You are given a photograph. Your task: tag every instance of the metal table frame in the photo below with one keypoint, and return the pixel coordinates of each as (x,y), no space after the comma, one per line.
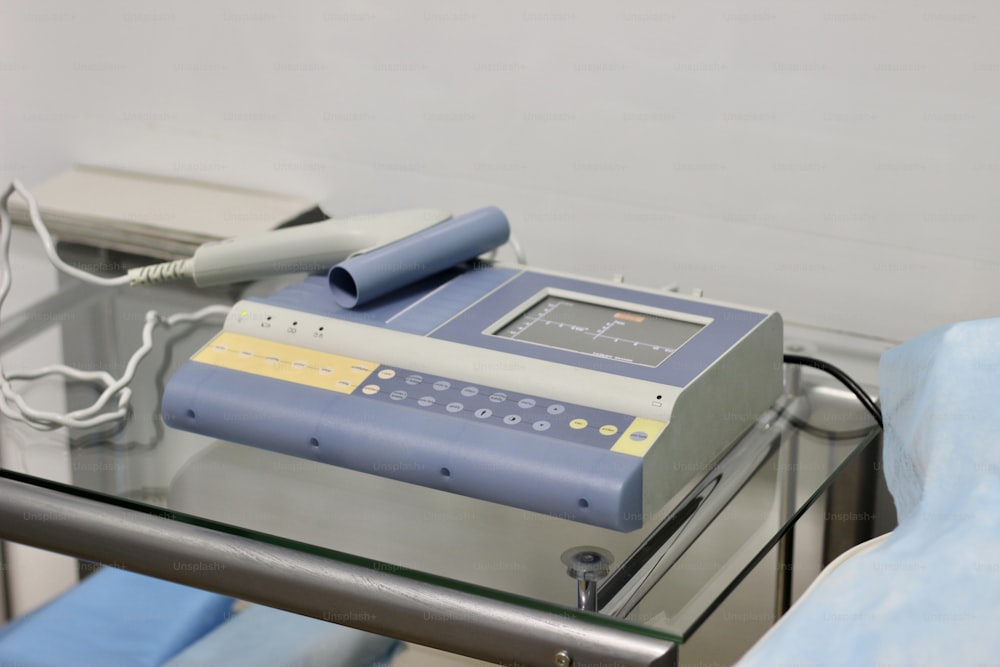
(405,605)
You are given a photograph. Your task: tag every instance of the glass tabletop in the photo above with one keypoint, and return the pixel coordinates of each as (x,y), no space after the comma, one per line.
(666,577)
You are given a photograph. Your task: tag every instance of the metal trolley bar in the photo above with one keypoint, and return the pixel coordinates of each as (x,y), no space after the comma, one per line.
(384,602)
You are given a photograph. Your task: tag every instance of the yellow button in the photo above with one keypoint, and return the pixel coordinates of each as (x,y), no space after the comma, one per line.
(387,373)
(609,429)
(370,389)
(578,423)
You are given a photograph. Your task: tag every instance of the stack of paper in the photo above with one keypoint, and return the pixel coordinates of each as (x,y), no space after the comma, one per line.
(149,215)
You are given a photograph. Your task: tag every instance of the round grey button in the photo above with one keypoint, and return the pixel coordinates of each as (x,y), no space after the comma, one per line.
(556,409)
(398,395)
(454,407)
(469,391)
(442,385)
(425,401)
(526,403)
(414,379)
(498,397)
(639,436)
(512,419)
(483,413)
(541,425)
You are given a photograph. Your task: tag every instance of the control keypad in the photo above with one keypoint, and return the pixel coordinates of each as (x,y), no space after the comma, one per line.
(500,407)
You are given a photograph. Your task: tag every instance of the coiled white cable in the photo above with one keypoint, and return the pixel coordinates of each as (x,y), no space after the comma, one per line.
(12,404)
(158,273)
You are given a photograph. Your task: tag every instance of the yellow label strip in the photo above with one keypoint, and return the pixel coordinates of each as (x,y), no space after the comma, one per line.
(282,361)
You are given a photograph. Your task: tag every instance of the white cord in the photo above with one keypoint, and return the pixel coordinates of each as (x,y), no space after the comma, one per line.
(518,249)
(515,246)
(47,241)
(12,404)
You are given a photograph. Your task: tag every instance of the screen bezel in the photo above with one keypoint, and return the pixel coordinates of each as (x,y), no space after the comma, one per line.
(727,325)
(591,299)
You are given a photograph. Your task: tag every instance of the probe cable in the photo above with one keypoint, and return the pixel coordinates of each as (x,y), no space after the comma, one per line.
(12,404)
(846,379)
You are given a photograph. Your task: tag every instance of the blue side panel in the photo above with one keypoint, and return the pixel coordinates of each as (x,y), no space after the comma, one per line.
(531,471)
(243,408)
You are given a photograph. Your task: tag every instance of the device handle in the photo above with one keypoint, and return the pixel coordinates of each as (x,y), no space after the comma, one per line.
(306,248)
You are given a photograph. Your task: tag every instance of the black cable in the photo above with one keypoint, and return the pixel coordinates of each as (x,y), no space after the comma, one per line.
(843,377)
(826,433)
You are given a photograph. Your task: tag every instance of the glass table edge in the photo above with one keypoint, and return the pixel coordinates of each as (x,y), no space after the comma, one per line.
(699,618)
(346,558)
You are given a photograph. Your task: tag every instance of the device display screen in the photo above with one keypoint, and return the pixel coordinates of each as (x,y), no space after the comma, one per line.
(600,331)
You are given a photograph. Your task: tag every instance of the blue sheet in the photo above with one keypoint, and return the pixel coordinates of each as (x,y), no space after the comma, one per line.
(113,619)
(930,593)
(263,637)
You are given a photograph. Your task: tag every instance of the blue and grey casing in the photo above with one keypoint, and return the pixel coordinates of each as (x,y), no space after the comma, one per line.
(592,401)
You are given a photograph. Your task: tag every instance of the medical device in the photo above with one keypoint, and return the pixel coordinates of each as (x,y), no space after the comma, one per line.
(587,400)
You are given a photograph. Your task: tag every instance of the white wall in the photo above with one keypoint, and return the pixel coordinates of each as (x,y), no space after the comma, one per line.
(836,161)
